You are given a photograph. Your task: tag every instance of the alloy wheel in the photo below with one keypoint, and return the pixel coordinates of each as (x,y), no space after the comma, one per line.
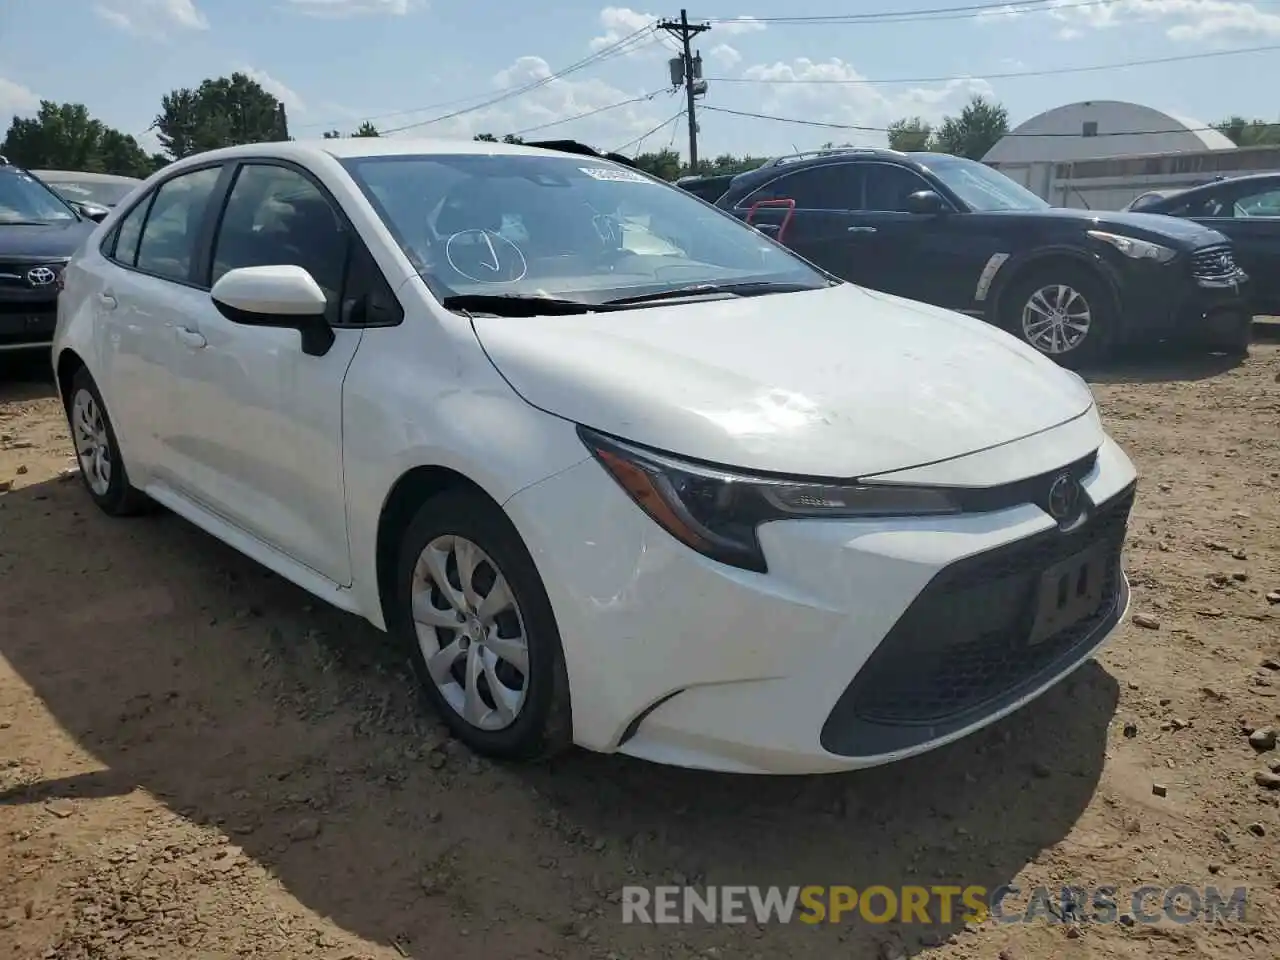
(471,632)
(1056,319)
(92,442)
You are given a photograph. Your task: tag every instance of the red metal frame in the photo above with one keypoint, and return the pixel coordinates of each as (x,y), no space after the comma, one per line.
(786,220)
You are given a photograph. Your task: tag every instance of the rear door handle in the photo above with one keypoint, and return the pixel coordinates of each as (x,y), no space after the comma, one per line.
(862,229)
(192,338)
(108,301)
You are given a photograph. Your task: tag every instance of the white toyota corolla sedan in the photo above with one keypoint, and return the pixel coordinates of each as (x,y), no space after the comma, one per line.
(618,470)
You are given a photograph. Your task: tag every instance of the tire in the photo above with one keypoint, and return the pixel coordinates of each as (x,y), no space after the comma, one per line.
(1084,288)
(538,720)
(102,468)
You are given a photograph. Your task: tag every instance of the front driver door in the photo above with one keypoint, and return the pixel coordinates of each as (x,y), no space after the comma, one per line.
(262,421)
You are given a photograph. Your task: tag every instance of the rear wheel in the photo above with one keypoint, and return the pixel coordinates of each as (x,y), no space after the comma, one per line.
(101,467)
(472,610)
(1064,311)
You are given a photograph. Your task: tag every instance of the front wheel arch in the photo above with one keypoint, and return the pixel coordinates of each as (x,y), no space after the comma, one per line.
(1045,260)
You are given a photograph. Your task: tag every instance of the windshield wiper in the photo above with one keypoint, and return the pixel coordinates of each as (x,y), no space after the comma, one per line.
(748,288)
(520,304)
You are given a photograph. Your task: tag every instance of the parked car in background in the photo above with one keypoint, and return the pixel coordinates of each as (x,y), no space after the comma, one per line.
(91,191)
(38,233)
(708,188)
(956,233)
(1247,210)
(599,486)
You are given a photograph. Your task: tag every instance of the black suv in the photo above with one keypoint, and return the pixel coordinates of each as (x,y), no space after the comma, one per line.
(39,231)
(1245,209)
(958,234)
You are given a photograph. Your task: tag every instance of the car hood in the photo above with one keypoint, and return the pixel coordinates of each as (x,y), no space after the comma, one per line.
(1142,226)
(838,382)
(53,241)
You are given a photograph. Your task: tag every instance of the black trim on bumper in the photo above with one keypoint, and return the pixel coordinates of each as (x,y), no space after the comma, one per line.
(960,651)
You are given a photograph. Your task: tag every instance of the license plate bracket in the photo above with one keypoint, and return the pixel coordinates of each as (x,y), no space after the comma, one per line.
(1069,591)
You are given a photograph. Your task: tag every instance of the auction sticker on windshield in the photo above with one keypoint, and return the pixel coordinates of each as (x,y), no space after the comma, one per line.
(605,173)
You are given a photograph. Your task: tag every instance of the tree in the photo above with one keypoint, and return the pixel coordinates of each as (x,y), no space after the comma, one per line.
(910,134)
(1249,133)
(366,129)
(976,130)
(63,136)
(490,138)
(221,112)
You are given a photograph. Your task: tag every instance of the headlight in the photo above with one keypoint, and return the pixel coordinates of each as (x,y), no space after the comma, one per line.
(718,512)
(1135,249)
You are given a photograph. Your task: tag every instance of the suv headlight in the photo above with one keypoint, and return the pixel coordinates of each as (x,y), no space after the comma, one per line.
(1135,249)
(717,512)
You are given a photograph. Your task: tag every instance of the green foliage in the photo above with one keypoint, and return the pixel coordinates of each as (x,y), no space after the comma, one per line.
(910,135)
(63,136)
(221,112)
(1249,133)
(976,130)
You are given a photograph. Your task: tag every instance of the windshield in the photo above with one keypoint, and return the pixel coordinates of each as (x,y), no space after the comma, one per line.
(981,187)
(572,228)
(106,192)
(24,199)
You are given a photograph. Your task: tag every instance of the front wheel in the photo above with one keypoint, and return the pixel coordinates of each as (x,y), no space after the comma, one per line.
(98,452)
(471,608)
(1064,311)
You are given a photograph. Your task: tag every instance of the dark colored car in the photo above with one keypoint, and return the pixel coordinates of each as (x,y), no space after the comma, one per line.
(39,231)
(708,188)
(1245,209)
(960,235)
(92,194)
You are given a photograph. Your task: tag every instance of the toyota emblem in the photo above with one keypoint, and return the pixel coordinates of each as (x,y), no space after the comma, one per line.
(1064,495)
(41,276)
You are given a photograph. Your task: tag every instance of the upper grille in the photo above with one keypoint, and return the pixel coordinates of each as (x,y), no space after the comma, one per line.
(1214,263)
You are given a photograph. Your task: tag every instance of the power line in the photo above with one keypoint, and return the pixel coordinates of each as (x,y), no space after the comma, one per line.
(865,129)
(1093,68)
(969,12)
(976,11)
(605,53)
(648,133)
(589,113)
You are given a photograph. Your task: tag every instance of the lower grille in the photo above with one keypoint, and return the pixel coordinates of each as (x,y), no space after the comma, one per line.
(1214,263)
(962,648)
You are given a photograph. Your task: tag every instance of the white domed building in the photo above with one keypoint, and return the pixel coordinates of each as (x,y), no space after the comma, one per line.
(1100,154)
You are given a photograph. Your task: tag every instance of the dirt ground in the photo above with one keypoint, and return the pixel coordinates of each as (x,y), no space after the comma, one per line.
(198,762)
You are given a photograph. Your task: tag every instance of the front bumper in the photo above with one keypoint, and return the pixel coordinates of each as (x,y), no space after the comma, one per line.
(677,659)
(1182,301)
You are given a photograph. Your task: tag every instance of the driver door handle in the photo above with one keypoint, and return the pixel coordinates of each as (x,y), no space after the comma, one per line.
(192,338)
(107,301)
(862,229)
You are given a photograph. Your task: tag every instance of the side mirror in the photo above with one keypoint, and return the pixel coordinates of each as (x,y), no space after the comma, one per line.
(283,296)
(925,202)
(92,211)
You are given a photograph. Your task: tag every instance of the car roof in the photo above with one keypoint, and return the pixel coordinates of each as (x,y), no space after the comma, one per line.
(1192,192)
(344,148)
(84,175)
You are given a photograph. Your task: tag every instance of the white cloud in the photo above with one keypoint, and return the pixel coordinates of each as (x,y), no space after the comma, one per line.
(839,99)
(152,18)
(286,95)
(341,9)
(1186,20)
(16,99)
(555,100)
(740,25)
(725,55)
(619,23)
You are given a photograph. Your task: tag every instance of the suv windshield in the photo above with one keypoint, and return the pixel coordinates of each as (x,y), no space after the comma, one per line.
(24,199)
(572,228)
(981,187)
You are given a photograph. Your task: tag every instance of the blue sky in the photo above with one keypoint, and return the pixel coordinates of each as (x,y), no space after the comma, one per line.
(335,62)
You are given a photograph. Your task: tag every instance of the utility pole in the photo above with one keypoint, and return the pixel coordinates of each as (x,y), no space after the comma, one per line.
(686,31)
